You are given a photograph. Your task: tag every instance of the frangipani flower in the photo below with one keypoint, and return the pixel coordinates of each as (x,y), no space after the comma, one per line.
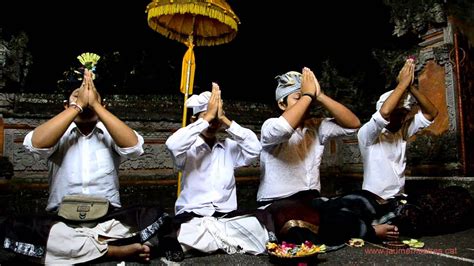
(412,57)
(356,242)
(414,243)
(89,61)
(290,250)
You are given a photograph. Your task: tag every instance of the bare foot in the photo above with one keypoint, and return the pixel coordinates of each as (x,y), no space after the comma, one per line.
(386,231)
(132,252)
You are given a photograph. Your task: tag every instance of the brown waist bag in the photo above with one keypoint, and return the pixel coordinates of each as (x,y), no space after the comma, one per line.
(83,207)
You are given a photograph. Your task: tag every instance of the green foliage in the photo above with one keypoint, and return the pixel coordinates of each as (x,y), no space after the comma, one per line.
(416,16)
(15,60)
(345,89)
(391,62)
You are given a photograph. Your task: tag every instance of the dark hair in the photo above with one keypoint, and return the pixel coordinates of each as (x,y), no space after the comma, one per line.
(66,87)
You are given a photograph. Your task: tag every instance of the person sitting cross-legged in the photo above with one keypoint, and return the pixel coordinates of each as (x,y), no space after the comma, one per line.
(84,146)
(207,216)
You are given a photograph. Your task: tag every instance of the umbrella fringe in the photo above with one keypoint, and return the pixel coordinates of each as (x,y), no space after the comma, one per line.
(196,9)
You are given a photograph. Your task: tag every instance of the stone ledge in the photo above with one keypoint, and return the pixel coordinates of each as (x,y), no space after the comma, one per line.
(41,183)
(331,185)
(21,196)
(417,184)
(442,178)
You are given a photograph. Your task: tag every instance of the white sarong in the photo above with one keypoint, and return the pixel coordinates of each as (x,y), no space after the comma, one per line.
(241,234)
(68,245)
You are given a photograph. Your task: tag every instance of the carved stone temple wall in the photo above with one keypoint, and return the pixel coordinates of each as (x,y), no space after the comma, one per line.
(437,151)
(154,117)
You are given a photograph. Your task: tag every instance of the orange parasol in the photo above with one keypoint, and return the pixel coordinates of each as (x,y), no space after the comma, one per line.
(192,22)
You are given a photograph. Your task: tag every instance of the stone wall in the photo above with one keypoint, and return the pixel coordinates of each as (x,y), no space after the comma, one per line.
(151,177)
(155,117)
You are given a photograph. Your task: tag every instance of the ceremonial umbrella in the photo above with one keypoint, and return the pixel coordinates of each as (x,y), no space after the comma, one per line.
(193,23)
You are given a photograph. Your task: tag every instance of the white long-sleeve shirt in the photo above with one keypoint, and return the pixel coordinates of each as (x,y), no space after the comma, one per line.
(208,182)
(384,153)
(80,164)
(290,158)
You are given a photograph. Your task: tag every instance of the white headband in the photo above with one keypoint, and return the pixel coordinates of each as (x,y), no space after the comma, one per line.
(287,84)
(407,101)
(199,102)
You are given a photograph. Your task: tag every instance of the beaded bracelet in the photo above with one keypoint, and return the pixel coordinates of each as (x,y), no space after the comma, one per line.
(76,106)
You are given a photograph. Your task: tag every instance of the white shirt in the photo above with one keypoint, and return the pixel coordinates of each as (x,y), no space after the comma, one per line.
(208,182)
(383,153)
(80,164)
(290,158)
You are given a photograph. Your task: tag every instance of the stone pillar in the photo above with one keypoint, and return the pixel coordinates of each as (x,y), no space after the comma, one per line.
(437,150)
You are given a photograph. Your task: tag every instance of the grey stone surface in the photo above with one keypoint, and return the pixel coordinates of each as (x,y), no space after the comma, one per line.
(448,249)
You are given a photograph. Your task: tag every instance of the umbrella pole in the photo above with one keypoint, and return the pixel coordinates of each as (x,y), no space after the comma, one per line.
(185,109)
(183,124)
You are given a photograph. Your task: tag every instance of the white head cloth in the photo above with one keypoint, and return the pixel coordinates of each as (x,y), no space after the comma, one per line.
(287,84)
(199,102)
(407,101)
